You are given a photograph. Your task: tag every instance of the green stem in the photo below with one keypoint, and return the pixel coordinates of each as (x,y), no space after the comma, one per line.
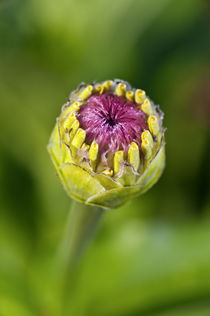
(81,226)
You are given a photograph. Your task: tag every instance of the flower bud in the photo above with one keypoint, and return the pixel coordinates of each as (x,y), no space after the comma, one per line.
(108,143)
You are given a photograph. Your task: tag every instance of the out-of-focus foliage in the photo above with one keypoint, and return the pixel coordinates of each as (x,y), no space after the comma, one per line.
(151,257)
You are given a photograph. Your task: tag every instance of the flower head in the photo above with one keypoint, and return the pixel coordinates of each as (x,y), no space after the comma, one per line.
(108,143)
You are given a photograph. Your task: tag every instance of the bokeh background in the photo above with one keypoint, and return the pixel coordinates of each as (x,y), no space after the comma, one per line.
(152,256)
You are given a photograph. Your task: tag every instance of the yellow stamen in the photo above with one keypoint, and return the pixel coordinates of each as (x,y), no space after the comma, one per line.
(140,96)
(147,107)
(67,115)
(93,152)
(79,138)
(146,135)
(118,158)
(153,125)
(86,92)
(146,149)
(69,121)
(133,155)
(99,89)
(74,129)
(74,107)
(129,95)
(107,85)
(147,144)
(120,89)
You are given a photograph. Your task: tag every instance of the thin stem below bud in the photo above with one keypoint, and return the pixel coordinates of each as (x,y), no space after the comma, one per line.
(81,226)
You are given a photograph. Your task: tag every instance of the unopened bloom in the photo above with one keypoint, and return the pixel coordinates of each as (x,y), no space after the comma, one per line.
(108,143)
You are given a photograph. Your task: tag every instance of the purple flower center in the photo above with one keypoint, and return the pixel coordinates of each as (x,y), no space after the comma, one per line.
(112,121)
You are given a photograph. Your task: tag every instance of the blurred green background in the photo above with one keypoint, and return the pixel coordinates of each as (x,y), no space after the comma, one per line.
(152,256)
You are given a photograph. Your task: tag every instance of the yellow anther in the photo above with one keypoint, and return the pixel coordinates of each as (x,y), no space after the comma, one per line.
(146,149)
(147,107)
(140,96)
(107,85)
(79,138)
(146,136)
(129,95)
(153,125)
(85,147)
(69,121)
(147,144)
(108,172)
(74,129)
(86,92)
(120,89)
(118,158)
(67,110)
(93,152)
(133,155)
(99,89)
(74,107)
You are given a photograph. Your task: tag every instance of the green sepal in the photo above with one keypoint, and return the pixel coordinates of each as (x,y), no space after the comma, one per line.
(54,146)
(78,183)
(107,182)
(127,175)
(153,171)
(113,198)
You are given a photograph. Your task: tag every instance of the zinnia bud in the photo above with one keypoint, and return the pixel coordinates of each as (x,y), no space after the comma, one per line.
(108,143)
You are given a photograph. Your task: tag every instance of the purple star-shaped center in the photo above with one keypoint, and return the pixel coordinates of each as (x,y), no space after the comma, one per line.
(112,121)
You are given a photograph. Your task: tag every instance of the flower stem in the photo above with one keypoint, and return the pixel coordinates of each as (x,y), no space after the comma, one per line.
(81,226)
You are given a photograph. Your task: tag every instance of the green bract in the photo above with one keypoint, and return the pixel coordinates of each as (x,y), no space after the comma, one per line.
(79,165)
